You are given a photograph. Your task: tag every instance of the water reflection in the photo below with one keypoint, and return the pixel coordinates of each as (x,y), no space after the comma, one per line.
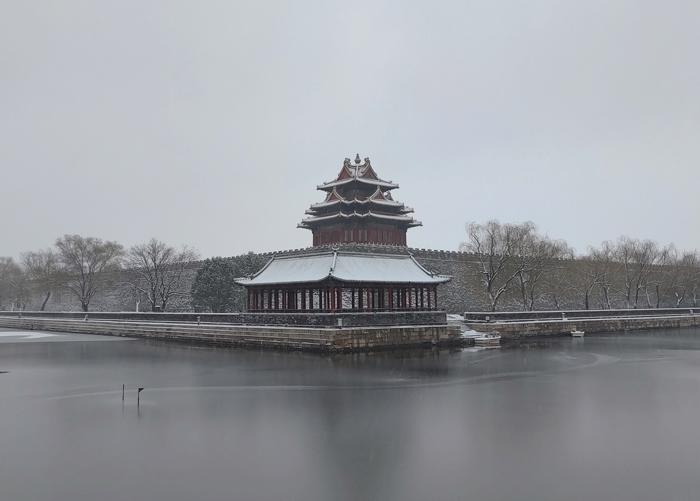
(610,417)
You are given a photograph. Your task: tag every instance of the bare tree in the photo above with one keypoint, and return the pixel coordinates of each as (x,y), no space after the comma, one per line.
(682,277)
(594,273)
(44,270)
(602,260)
(495,246)
(536,255)
(157,271)
(638,259)
(85,260)
(12,284)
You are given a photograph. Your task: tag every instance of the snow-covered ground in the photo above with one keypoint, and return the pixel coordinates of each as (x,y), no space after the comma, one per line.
(453,319)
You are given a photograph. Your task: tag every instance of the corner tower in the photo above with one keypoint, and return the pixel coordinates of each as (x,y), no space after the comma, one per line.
(358,208)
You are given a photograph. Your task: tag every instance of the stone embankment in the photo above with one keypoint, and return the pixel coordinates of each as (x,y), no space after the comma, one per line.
(514,325)
(326,339)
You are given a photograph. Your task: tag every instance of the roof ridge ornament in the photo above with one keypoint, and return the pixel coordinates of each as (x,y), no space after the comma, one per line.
(357,158)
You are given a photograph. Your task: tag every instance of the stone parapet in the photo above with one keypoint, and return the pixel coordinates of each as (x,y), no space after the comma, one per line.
(305,319)
(326,339)
(516,316)
(535,328)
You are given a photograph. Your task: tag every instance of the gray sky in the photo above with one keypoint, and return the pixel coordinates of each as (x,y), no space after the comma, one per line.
(211,123)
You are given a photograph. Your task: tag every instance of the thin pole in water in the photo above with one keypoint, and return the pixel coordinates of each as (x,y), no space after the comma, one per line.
(123,390)
(138,397)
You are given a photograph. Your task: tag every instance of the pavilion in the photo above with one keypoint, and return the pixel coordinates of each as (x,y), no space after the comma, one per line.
(358,210)
(335,281)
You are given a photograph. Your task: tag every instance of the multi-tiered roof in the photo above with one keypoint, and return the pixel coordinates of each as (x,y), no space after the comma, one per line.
(359,208)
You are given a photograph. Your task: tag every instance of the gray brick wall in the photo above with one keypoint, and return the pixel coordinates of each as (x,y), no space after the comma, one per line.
(462,293)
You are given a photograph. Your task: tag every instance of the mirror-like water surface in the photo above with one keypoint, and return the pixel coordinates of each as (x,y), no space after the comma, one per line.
(609,417)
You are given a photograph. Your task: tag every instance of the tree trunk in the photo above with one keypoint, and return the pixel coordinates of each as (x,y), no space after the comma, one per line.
(84,306)
(658,297)
(46,300)
(523,293)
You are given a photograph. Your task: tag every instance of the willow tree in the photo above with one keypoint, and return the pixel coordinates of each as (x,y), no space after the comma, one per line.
(495,247)
(44,270)
(85,260)
(12,284)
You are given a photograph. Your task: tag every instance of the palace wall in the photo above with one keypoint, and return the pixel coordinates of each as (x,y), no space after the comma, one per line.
(462,293)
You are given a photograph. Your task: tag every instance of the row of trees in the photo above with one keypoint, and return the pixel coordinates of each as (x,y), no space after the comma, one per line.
(81,265)
(515,267)
(520,268)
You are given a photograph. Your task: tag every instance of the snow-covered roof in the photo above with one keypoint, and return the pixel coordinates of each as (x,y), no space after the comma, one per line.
(375,182)
(345,267)
(358,172)
(378,198)
(370,214)
(389,203)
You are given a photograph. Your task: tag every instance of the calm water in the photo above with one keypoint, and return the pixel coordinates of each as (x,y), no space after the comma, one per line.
(609,418)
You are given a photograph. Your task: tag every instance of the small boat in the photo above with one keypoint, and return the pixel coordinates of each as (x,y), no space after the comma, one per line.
(577,333)
(488,340)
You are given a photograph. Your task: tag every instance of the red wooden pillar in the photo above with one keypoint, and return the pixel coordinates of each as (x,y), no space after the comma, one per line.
(435,293)
(390,297)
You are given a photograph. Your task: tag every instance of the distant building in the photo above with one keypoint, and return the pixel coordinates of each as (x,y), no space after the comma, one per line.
(358,208)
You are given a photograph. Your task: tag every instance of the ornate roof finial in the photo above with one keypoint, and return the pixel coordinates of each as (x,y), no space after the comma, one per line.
(357,158)
(346,162)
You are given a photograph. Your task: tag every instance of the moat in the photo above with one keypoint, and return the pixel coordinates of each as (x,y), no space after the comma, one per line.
(605,417)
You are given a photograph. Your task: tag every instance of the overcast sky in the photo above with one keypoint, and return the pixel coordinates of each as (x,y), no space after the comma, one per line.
(211,123)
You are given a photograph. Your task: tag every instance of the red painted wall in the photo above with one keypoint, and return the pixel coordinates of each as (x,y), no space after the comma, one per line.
(372,233)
